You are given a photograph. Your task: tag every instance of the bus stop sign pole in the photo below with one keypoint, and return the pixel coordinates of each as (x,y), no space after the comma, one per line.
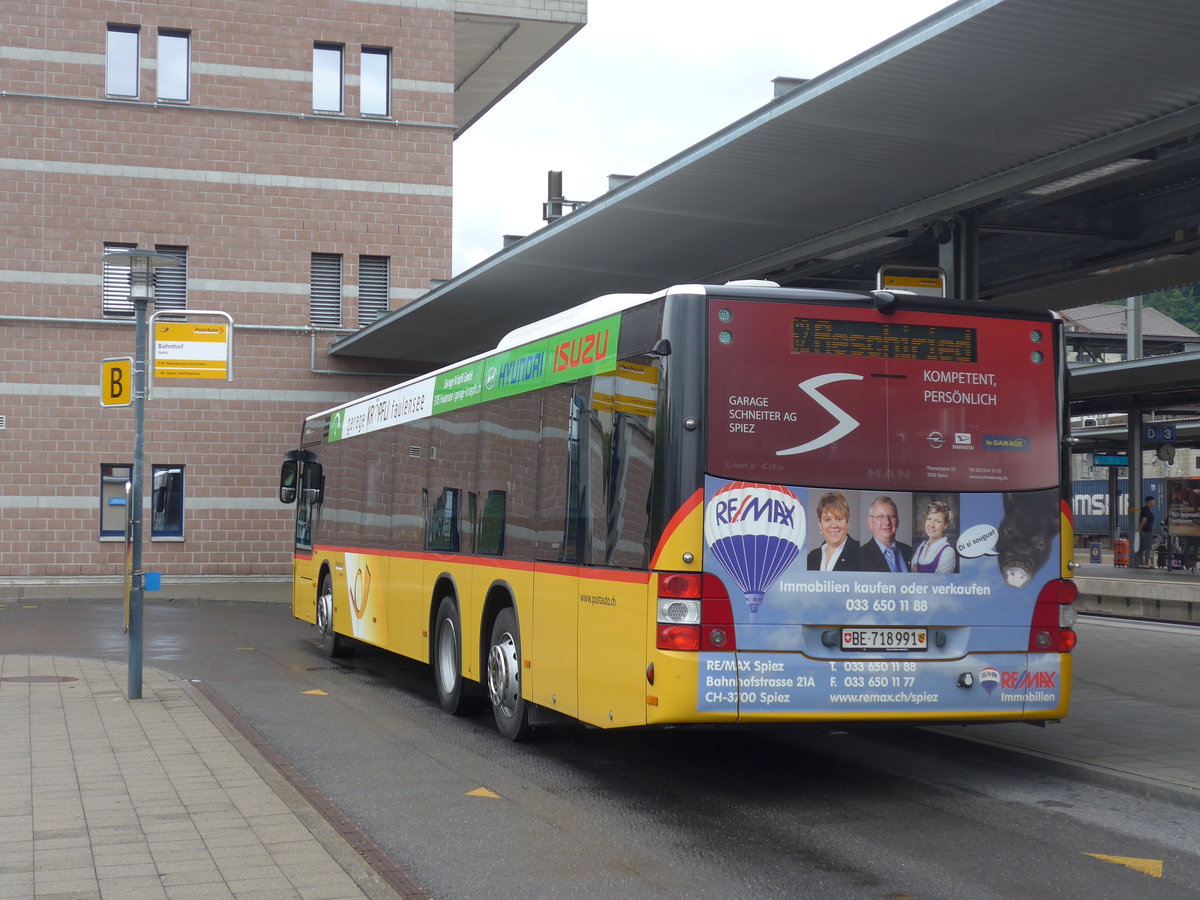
(136,594)
(141,265)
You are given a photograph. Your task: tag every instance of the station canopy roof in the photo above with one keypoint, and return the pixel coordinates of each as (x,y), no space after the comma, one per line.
(1069,130)
(497,43)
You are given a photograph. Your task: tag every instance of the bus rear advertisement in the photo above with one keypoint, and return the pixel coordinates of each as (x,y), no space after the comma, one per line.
(736,503)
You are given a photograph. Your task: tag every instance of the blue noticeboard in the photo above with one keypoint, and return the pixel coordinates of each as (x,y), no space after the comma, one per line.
(1110,459)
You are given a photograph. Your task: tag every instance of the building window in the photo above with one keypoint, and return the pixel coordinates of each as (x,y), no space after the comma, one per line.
(121,61)
(166,517)
(325,290)
(166,501)
(170,282)
(114,500)
(372,288)
(327,77)
(174,65)
(376,82)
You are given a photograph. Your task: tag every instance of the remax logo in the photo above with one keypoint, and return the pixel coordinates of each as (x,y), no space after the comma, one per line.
(845,424)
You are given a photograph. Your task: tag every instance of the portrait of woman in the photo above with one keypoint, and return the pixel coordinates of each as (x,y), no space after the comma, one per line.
(838,552)
(936,553)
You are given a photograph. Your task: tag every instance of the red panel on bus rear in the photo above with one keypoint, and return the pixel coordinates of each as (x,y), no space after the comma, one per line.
(850,397)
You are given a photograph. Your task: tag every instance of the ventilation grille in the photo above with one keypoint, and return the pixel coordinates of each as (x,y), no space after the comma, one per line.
(372,288)
(326,289)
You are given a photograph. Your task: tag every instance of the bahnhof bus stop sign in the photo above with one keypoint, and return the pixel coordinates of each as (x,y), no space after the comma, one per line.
(193,349)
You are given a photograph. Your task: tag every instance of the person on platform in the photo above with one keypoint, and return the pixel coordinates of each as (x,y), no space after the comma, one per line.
(883,553)
(1146,533)
(838,552)
(936,553)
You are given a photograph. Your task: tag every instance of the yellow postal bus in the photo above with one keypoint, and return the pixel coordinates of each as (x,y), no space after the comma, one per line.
(712,504)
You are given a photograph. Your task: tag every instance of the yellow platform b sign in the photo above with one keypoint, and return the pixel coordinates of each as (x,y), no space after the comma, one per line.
(116,381)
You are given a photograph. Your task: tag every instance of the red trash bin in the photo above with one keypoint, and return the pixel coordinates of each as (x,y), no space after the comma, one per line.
(1121,552)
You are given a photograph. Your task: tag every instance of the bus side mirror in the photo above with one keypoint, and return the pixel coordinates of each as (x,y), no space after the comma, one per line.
(287,481)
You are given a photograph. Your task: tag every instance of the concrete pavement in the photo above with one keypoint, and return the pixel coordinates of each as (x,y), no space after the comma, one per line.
(1134,723)
(171,796)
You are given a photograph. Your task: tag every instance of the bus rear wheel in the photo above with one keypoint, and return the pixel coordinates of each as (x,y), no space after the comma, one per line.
(504,677)
(447,658)
(332,643)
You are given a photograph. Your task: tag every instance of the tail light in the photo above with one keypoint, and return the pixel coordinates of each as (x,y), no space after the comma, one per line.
(694,613)
(1052,627)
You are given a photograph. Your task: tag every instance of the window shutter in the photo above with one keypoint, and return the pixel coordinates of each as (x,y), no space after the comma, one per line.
(372,288)
(326,290)
(170,282)
(115,300)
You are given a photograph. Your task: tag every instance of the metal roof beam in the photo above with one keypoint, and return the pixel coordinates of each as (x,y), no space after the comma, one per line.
(1106,149)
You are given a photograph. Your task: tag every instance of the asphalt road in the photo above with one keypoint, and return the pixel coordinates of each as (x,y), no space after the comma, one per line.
(683,812)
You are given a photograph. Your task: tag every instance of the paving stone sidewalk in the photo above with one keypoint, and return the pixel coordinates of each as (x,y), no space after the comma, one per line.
(103,797)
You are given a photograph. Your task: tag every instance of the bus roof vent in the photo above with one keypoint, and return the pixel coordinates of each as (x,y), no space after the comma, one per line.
(752,282)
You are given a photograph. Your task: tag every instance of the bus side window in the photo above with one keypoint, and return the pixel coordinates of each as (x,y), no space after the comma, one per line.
(490,540)
(442,532)
(312,486)
(584,484)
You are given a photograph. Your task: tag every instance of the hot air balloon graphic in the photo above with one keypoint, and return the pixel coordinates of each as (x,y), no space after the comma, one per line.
(756,531)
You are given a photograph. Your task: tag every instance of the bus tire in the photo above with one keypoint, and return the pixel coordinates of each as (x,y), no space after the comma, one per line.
(504,677)
(447,657)
(332,643)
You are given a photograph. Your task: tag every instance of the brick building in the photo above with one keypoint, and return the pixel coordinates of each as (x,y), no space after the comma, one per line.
(296,160)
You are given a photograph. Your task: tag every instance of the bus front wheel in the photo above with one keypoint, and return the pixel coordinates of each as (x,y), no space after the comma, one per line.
(447,658)
(333,643)
(504,677)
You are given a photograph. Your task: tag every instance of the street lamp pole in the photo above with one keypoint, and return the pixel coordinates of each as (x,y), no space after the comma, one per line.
(141,264)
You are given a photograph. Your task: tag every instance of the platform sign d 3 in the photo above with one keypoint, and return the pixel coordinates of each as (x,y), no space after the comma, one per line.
(191,350)
(116,381)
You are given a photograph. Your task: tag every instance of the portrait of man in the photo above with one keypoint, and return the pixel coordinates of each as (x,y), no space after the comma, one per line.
(882,552)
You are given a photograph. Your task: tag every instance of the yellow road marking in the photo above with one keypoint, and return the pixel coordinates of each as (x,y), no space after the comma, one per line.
(315,693)
(483,792)
(1151,867)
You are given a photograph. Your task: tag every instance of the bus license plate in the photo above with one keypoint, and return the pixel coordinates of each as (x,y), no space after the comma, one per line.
(884,639)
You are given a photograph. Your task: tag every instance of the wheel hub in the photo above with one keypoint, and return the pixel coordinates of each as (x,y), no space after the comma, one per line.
(504,684)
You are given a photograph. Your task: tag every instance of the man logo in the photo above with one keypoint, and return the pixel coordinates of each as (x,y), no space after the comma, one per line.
(846,423)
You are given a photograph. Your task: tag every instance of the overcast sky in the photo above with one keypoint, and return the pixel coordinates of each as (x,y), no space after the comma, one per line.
(643,80)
